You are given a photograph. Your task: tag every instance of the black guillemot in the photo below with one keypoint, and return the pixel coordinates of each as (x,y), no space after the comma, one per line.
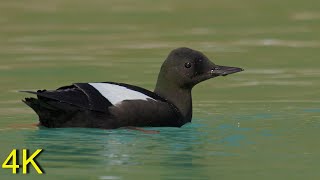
(111,105)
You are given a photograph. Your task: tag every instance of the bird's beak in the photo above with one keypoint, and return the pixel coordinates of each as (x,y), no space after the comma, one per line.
(215,71)
(224,70)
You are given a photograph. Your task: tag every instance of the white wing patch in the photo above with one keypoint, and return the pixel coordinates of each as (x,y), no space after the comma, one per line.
(116,94)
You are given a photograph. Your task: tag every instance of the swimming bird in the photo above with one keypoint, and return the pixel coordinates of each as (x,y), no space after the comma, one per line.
(110,105)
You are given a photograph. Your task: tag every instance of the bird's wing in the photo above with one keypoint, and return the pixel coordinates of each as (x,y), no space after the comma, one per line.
(97,96)
(87,98)
(116,93)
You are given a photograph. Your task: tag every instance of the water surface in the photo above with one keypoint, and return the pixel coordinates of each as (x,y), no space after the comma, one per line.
(262,123)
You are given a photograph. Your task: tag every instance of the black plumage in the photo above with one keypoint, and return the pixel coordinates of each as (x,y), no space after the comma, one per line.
(85,105)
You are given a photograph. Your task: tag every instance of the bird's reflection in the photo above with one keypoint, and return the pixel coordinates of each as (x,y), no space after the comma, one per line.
(173,151)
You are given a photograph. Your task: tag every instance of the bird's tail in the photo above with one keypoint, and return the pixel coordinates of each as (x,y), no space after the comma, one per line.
(53,113)
(44,110)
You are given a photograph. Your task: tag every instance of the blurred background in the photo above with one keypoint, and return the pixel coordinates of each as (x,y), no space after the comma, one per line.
(262,123)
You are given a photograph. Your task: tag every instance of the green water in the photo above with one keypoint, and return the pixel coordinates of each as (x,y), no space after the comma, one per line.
(262,123)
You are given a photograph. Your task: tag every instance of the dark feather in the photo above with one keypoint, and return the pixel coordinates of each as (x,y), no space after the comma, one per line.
(81,95)
(81,105)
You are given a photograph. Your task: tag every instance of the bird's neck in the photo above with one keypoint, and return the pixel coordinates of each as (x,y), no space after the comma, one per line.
(180,97)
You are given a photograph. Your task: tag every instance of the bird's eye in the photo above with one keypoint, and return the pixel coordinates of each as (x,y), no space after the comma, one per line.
(187,65)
